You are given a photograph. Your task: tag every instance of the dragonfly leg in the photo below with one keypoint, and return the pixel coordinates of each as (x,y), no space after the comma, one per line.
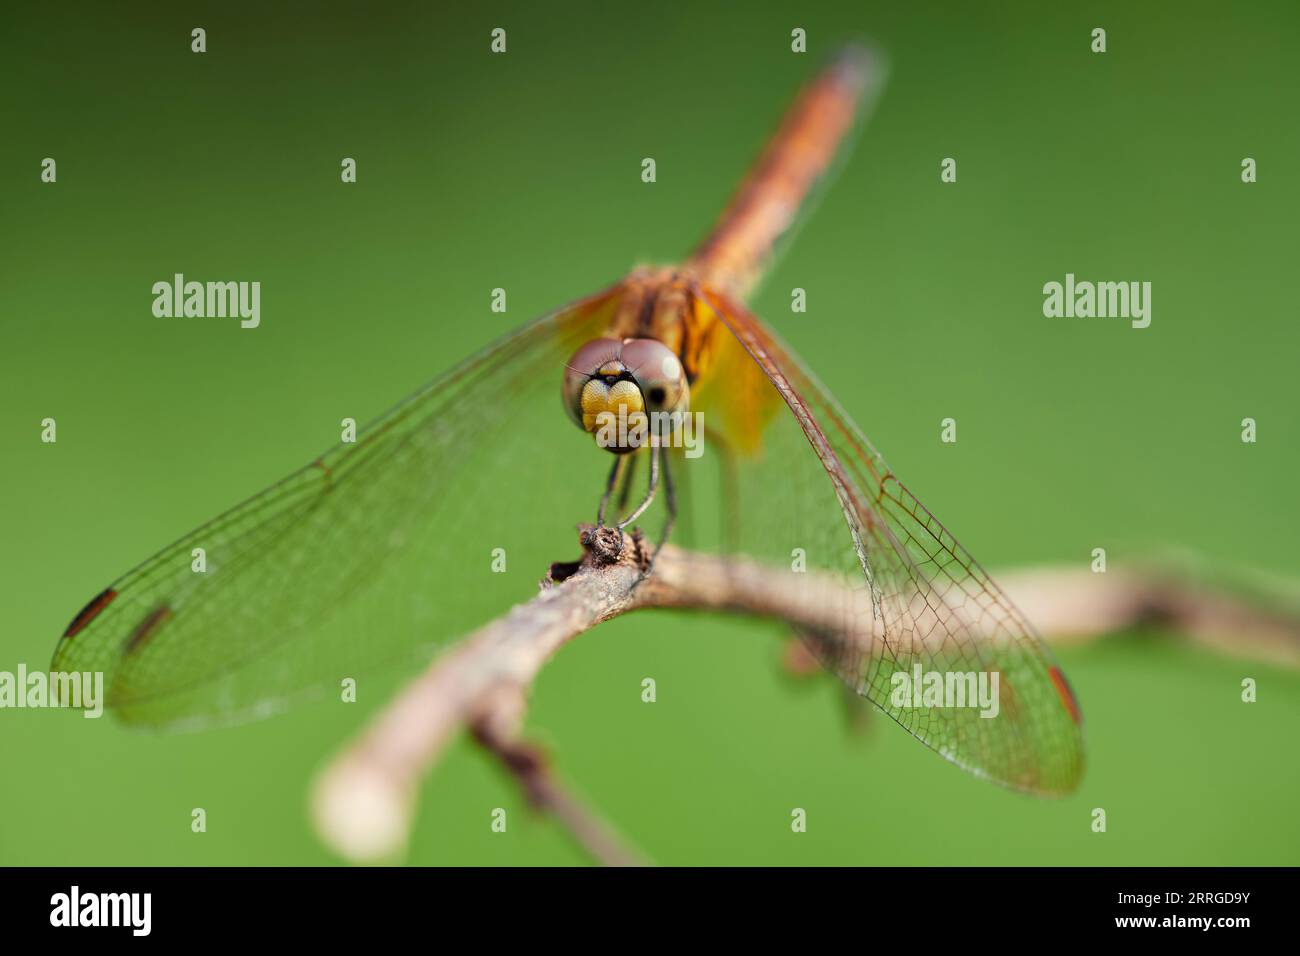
(628,478)
(650,492)
(609,488)
(670,500)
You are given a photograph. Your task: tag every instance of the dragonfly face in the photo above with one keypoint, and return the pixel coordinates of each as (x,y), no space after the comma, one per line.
(624,391)
(360,556)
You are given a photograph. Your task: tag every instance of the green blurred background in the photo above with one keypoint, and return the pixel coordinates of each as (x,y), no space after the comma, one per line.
(522,171)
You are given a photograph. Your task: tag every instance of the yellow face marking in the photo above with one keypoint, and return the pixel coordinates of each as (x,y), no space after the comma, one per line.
(599,402)
(625,397)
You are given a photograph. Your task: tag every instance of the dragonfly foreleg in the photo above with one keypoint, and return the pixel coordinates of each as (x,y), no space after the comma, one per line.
(670,501)
(614,472)
(629,476)
(650,492)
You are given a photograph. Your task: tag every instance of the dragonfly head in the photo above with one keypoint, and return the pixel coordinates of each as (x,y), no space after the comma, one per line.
(626,391)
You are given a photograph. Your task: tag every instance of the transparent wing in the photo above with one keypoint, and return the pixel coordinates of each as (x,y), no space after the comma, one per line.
(917,598)
(375,551)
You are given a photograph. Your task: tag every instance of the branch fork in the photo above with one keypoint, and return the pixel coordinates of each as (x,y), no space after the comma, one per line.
(364,801)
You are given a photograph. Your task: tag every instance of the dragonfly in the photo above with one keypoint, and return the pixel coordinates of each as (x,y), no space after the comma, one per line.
(377,550)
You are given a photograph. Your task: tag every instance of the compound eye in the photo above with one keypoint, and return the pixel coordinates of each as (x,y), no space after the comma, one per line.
(585,363)
(659,373)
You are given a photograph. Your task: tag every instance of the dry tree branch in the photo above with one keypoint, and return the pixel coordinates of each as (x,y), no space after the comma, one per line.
(1074,606)
(364,801)
(528,765)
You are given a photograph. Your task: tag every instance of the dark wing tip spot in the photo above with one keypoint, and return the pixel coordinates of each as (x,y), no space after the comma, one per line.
(89,612)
